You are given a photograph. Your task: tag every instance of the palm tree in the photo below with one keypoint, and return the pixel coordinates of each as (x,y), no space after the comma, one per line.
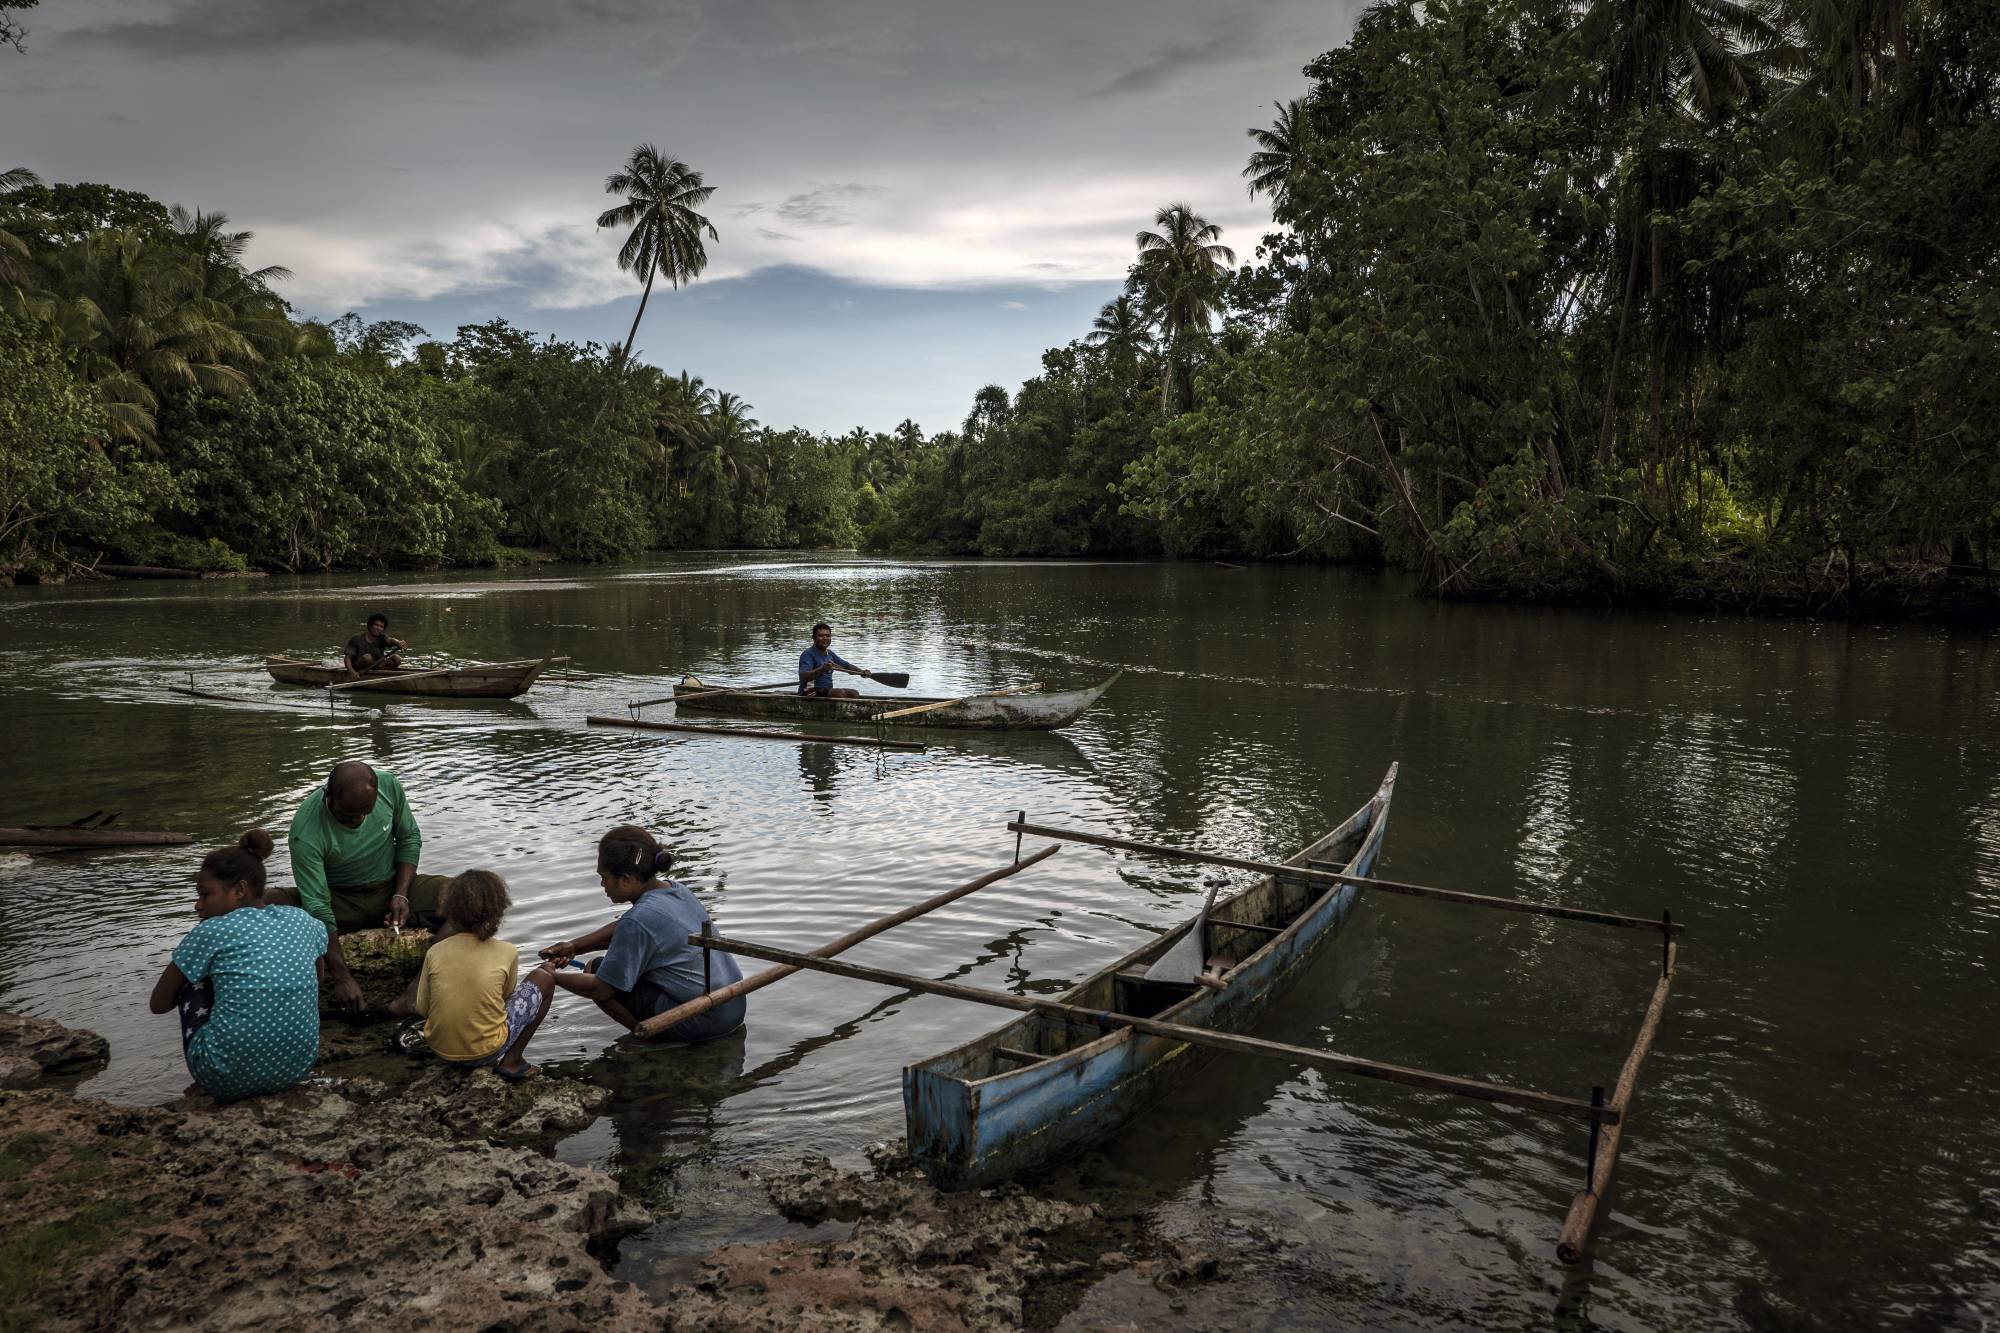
(1682,60)
(14,253)
(1692,56)
(1280,152)
(134,308)
(1179,281)
(1122,330)
(661,196)
(217,253)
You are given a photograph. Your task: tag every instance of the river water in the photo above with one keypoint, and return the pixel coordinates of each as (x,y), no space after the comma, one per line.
(1813,1144)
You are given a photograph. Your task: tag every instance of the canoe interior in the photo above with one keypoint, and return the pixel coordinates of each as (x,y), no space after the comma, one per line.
(1039,1087)
(982,712)
(496,680)
(1268,903)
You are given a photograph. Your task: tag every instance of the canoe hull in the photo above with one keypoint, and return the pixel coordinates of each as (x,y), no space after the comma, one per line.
(504,680)
(973,1119)
(1009,712)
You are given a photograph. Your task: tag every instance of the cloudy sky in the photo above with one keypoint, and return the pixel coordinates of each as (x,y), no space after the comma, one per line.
(915,197)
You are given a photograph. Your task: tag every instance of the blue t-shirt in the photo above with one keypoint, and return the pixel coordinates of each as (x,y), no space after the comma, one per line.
(263,1032)
(651,944)
(812,659)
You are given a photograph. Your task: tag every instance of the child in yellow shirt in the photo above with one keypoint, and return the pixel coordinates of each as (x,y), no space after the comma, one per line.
(474,1012)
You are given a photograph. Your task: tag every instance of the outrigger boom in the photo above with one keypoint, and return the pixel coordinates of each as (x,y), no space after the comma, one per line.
(1606,1118)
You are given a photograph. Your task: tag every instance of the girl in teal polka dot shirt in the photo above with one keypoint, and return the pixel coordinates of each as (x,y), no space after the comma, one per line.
(245,979)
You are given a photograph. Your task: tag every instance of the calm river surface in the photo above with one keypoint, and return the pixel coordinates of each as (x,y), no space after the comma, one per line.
(1814,1142)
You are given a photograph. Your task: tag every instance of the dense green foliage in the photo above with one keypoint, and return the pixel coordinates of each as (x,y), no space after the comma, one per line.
(1563,300)
(159,404)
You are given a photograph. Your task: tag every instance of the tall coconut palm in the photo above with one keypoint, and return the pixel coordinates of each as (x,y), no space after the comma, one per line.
(216,254)
(1691,56)
(1280,152)
(1178,279)
(1123,331)
(661,196)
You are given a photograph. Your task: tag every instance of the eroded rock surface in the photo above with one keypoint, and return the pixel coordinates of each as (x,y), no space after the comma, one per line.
(916,1257)
(383,964)
(431,1102)
(53,1050)
(148,1217)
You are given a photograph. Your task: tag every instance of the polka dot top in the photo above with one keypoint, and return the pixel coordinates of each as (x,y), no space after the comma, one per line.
(263,1034)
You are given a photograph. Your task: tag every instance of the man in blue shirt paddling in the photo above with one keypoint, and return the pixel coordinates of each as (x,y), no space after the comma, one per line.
(818,663)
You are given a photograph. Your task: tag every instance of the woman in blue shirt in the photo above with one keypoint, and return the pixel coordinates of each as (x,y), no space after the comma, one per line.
(648,965)
(245,979)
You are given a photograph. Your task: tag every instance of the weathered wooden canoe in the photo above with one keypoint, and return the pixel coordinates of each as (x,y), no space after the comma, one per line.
(1041,1088)
(489,680)
(980,712)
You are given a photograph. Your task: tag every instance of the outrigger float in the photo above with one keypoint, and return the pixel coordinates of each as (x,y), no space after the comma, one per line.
(1075,1067)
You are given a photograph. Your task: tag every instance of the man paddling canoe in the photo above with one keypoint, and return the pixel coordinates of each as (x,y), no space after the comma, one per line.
(818,663)
(354,846)
(373,649)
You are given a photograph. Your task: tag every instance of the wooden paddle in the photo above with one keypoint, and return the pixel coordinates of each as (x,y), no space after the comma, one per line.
(946,703)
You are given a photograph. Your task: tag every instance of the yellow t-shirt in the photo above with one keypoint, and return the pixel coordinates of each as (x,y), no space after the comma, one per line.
(462,994)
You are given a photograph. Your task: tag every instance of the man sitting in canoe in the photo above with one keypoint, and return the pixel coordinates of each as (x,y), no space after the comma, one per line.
(818,663)
(354,846)
(373,649)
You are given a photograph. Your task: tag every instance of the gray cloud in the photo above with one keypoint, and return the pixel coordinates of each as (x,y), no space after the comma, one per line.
(460,27)
(1178,59)
(821,206)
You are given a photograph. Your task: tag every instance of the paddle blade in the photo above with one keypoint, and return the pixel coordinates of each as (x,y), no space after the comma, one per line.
(895,680)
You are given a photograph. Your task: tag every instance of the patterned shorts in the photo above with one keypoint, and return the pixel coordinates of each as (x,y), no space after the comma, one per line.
(523,1007)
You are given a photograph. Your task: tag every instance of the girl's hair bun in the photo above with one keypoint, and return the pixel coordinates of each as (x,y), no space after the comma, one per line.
(258,843)
(631,850)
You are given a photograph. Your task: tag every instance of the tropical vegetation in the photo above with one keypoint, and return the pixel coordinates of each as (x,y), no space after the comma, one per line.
(1567,299)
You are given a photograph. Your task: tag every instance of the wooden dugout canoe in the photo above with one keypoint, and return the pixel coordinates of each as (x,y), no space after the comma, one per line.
(488,680)
(1041,1088)
(978,712)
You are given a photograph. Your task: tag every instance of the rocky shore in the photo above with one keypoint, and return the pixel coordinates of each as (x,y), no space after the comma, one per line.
(429,1199)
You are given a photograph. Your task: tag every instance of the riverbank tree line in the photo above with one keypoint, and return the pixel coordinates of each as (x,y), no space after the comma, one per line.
(1657,299)
(1560,299)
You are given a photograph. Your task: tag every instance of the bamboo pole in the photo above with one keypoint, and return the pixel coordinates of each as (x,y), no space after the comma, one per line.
(946,703)
(704,694)
(701,1004)
(1326,1061)
(401,677)
(1583,1208)
(1312,876)
(75,837)
(193,693)
(754,733)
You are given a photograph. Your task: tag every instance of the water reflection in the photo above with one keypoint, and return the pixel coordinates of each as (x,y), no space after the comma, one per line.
(1816,802)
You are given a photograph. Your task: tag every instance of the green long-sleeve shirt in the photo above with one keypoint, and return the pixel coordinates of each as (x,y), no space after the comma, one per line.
(328,855)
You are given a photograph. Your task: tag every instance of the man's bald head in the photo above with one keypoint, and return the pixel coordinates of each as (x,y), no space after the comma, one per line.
(350,792)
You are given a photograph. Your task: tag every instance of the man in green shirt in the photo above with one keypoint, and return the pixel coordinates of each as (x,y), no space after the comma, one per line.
(354,846)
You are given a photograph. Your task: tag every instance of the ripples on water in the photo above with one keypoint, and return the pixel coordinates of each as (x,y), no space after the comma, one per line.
(1820,804)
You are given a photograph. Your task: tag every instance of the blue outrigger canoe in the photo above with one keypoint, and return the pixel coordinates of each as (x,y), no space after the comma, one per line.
(1041,1087)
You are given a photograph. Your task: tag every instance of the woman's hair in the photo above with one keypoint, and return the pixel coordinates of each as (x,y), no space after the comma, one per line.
(244,861)
(475,901)
(630,850)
